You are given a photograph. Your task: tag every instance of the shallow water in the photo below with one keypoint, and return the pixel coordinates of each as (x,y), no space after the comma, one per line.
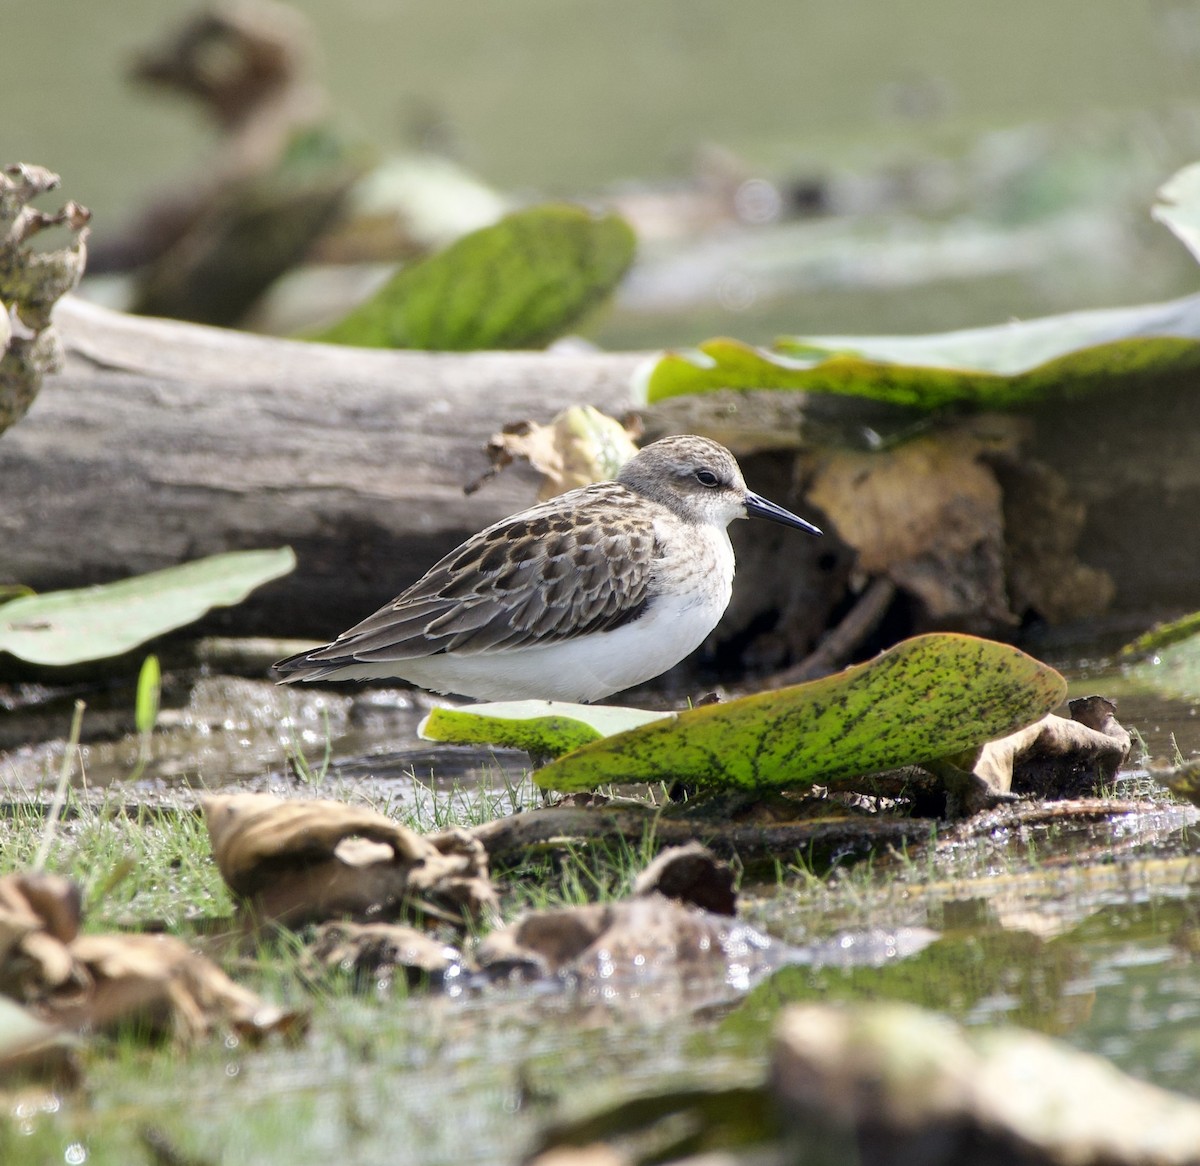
(1108,962)
(1086,931)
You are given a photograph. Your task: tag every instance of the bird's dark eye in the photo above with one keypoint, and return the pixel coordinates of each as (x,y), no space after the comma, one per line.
(707,478)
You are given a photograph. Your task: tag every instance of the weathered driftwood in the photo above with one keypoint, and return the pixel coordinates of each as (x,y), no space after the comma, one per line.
(163,441)
(512,838)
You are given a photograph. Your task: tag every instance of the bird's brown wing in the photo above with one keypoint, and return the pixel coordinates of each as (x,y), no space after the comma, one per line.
(544,575)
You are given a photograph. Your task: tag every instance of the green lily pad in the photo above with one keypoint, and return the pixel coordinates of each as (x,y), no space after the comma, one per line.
(548,727)
(93,623)
(1163,635)
(926,698)
(1005,367)
(1173,669)
(517,284)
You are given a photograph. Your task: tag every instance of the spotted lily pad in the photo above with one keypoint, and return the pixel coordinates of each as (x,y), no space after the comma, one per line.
(519,283)
(927,698)
(93,623)
(548,727)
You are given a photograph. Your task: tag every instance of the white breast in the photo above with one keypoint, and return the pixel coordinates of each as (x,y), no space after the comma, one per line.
(691,598)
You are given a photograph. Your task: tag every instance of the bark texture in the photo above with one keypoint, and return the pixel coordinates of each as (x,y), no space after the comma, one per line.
(163,441)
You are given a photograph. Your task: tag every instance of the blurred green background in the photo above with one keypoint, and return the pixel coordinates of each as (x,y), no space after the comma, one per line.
(955,164)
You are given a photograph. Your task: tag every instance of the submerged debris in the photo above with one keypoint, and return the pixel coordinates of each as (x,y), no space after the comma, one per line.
(634,943)
(374,951)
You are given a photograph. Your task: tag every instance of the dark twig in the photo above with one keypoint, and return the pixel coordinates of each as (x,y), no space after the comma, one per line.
(837,647)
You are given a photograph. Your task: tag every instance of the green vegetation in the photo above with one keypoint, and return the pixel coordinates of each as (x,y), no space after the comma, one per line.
(929,697)
(1010,366)
(93,623)
(518,284)
(537,726)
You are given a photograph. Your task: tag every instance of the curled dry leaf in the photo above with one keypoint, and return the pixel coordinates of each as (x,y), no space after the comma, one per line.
(899,1084)
(692,875)
(159,982)
(928,515)
(39,918)
(31,281)
(306,861)
(106,981)
(580,446)
(1056,757)
(965,523)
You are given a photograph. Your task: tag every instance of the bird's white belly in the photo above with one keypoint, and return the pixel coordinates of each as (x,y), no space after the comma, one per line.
(691,596)
(587,668)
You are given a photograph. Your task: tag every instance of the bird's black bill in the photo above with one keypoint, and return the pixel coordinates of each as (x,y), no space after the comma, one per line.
(759,507)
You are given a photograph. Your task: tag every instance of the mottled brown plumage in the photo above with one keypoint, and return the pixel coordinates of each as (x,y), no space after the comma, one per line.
(581,573)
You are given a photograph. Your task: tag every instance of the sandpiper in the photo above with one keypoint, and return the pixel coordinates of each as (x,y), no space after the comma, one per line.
(592,592)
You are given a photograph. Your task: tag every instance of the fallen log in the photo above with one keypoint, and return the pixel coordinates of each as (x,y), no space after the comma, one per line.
(163,441)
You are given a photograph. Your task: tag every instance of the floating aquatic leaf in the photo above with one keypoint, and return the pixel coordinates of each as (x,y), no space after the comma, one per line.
(547,727)
(1003,367)
(517,284)
(926,698)
(1170,663)
(92,623)
(1167,658)
(1164,634)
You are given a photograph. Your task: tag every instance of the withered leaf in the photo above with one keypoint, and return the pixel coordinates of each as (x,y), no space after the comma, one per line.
(693,875)
(105,981)
(157,981)
(579,446)
(39,917)
(1056,757)
(927,514)
(304,861)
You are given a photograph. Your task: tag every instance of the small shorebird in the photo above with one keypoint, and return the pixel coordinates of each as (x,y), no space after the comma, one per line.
(587,594)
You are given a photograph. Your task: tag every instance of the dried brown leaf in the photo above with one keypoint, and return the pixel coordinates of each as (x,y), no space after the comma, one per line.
(580,446)
(31,281)
(692,875)
(102,981)
(374,949)
(1056,757)
(622,944)
(39,916)
(927,514)
(303,861)
(157,981)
